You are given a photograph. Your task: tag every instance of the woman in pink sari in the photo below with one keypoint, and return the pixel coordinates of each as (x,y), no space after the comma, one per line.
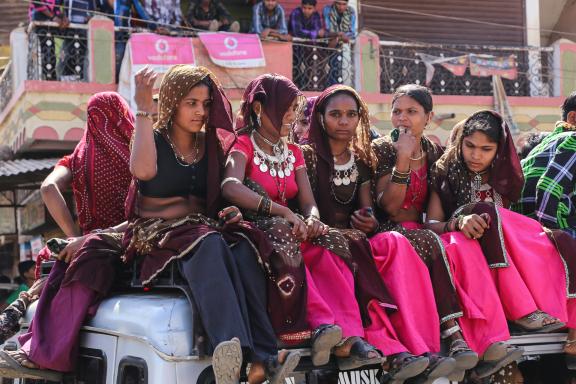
(402,188)
(311,270)
(532,268)
(340,162)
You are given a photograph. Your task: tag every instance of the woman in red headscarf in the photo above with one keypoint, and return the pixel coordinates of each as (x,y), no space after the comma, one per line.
(533,268)
(99,175)
(266,176)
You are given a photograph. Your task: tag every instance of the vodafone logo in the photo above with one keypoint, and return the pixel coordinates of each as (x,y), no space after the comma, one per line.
(231,43)
(162,46)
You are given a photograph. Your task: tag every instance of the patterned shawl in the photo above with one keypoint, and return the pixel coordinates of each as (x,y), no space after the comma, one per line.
(100,162)
(452,180)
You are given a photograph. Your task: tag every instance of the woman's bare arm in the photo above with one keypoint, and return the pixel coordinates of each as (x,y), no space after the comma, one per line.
(143,153)
(57,181)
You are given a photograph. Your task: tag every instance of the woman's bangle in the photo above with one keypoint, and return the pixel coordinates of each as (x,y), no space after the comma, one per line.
(400,173)
(147,115)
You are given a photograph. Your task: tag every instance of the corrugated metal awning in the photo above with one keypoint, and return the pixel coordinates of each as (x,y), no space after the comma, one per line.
(24,173)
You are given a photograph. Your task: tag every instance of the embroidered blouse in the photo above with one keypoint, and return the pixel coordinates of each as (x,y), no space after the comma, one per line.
(273,185)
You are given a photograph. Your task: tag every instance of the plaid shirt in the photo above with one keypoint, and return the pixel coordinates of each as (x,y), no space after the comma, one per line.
(549,193)
(261,19)
(300,26)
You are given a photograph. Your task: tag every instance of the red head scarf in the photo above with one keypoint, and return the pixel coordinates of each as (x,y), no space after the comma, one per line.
(275,92)
(100,162)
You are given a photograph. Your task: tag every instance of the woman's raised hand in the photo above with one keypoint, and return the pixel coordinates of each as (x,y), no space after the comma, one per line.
(145,79)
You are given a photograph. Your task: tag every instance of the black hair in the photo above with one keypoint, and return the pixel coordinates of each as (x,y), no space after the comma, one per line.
(486,122)
(309,2)
(532,140)
(569,105)
(421,94)
(322,108)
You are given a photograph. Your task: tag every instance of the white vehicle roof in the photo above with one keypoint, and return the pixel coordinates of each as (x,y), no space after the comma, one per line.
(162,319)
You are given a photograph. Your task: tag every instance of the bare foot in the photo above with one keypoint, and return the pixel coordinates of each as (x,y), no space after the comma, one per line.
(22,358)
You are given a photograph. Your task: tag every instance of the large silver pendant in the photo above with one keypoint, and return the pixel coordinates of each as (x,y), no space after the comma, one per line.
(292,158)
(263,168)
(346,180)
(478,181)
(337,181)
(281,173)
(287,172)
(291,166)
(257,160)
(273,172)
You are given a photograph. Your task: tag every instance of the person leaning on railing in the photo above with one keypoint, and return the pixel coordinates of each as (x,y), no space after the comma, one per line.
(305,21)
(211,15)
(269,21)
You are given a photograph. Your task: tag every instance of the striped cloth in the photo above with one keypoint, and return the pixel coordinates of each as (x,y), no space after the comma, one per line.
(549,193)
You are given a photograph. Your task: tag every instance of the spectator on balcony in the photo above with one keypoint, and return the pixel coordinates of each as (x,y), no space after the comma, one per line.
(211,15)
(122,13)
(106,7)
(167,13)
(45,10)
(305,21)
(268,20)
(340,22)
(549,193)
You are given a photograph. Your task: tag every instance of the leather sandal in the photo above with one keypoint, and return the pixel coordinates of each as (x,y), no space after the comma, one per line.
(276,371)
(325,337)
(495,351)
(227,361)
(404,366)
(534,322)
(487,368)
(439,367)
(570,358)
(359,356)
(459,350)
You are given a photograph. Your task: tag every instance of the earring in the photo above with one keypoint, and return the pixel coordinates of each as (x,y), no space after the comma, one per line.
(258,120)
(322,122)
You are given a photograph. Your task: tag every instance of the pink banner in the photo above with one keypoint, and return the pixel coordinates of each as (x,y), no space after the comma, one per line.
(159,50)
(234,50)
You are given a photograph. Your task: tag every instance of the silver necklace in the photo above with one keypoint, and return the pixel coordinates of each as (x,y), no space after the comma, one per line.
(281,164)
(344,175)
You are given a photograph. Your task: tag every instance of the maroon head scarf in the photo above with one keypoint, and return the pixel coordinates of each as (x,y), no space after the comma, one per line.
(100,162)
(451,178)
(318,139)
(220,136)
(275,92)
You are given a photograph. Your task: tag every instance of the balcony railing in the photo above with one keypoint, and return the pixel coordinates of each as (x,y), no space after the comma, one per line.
(57,54)
(402,63)
(316,67)
(6,86)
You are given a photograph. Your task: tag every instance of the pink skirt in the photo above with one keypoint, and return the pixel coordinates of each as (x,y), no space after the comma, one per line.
(484,322)
(536,276)
(331,300)
(406,277)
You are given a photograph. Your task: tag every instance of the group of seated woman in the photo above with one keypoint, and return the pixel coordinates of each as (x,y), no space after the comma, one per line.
(373,252)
